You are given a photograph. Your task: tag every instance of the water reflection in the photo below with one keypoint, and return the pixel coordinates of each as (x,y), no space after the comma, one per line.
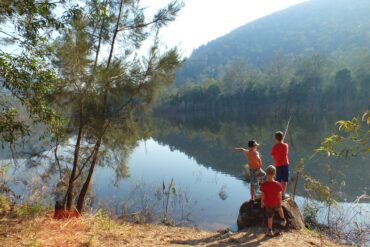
(210,142)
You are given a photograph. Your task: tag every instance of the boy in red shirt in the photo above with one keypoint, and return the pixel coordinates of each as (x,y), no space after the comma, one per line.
(257,175)
(279,154)
(271,199)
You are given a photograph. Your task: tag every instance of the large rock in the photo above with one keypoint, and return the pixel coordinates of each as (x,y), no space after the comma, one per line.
(251,215)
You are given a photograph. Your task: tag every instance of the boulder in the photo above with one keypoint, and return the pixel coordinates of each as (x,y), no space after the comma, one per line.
(251,215)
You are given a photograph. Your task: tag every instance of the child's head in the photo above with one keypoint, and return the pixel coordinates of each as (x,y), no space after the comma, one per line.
(253,145)
(279,135)
(270,171)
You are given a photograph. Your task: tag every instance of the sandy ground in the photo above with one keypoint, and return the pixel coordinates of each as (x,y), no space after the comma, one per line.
(101,231)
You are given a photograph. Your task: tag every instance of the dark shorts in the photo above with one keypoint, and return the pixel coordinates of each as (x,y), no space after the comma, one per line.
(282,173)
(271,210)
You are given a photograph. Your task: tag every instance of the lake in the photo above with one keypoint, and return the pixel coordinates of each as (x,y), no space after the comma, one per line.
(196,152)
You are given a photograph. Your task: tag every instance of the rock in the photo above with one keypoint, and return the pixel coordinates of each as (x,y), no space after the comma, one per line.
(252,215)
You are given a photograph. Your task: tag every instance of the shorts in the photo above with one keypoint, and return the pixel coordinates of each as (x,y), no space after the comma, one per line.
(282,173)
(271,210)
(257,176)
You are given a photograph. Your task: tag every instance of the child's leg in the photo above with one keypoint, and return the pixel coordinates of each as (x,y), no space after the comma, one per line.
(283,221)
(284,184)
(252,191)
(281,213)
(269,222)
(282,176)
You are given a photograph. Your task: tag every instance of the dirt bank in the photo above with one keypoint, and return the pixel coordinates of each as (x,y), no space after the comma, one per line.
(100,230)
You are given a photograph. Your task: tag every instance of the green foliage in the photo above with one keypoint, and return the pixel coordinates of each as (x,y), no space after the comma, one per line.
(353,138)
(366,117)
(316,190)
(349,126)
(30,211)
(328,145)
(4,170)
(33,83)
(28,19)
(299,168)
(34,242)
(103,220)
(5,204)
(11,128)
(310,215)
(26,25)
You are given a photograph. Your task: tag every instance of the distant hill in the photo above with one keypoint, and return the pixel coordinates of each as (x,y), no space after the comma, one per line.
(329,27)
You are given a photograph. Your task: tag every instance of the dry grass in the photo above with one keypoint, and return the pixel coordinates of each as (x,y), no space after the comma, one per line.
(100,230)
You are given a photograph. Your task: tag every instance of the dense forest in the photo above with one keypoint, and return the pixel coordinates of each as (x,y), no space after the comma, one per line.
(313,84)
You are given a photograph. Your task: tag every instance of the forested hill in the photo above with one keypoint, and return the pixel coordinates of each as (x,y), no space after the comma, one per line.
(339,28)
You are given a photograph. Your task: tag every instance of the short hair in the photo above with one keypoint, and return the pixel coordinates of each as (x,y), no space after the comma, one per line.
(271,170)
(252,143)
(279,135)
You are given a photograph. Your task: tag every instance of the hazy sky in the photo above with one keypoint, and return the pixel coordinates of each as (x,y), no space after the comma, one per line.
(204,20)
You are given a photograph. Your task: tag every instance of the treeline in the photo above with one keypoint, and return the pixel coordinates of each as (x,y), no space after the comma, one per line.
(284,86)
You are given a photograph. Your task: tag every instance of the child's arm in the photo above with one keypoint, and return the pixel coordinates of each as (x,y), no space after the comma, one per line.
(262,200)
(259,159)
(280,197)
(240,149)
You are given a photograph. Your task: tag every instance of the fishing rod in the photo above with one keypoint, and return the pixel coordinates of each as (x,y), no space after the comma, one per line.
(287,127)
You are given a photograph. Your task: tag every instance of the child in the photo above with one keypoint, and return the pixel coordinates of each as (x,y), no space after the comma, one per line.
(271,199)
(279,154)
(257,175)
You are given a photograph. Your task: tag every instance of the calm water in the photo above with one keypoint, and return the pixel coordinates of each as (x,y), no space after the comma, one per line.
(198,155)
(152,163)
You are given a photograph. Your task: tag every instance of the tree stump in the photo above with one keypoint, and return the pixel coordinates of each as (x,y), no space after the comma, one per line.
(251,215)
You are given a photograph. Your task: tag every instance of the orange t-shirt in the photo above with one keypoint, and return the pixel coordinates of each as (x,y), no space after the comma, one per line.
(253,159)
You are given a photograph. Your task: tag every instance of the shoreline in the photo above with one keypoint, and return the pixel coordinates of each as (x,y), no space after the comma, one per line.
(101,230)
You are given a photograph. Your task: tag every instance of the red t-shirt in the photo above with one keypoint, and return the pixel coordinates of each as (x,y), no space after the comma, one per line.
(279,153)
(271,191)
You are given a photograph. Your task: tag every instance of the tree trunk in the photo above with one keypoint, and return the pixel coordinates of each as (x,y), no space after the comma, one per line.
(85,187)
(68,201)
(100,38)
(116,30)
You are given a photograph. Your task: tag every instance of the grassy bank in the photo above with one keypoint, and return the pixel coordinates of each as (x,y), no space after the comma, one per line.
(100,230)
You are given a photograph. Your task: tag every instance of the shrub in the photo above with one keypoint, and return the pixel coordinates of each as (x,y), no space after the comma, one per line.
(5,205)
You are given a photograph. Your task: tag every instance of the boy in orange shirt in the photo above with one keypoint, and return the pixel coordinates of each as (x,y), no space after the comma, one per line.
(279,154)
(257,175)
(271,199)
